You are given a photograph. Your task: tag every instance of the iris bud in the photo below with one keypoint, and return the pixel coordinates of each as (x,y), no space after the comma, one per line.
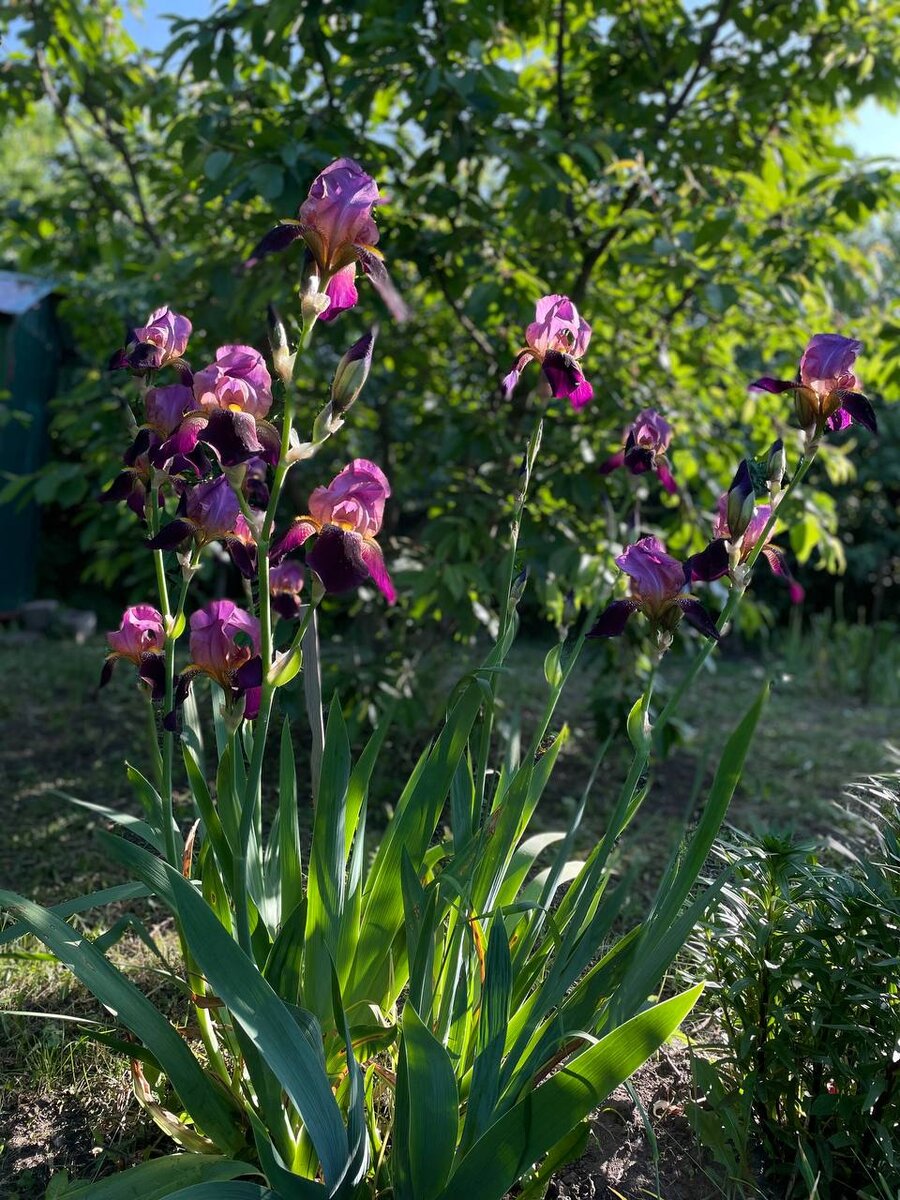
(806,406)
(352,372)
(776,465)
(741,501)
(282,359)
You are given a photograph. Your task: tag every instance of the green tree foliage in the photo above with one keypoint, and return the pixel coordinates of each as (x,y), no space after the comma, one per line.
(676,168)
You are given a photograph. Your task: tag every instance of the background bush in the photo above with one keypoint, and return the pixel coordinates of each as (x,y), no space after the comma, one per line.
(676,168)
(801,956)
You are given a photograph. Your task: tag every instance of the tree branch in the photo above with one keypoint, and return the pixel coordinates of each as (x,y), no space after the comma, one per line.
(464,319)
(98,184)
(672,110)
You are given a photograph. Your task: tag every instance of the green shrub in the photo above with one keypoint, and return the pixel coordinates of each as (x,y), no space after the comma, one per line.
(802,954)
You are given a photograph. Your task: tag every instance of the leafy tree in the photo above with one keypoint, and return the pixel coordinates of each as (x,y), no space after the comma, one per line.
(676,168)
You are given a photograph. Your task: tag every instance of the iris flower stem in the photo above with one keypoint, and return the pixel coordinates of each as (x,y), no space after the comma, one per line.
(557,690)
(312,692)
(531,452)
(153,732)
(534,443)
(168,752)
(735,595)
(252,796)
(163,763)
(168,739)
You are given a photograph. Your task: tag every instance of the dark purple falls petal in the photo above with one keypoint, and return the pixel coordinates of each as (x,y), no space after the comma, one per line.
(106,671)
(696,615)
(612,621)
(172,535)
(243,556)
(182,687)
(152,671)
(377,272)
(709,564)
(666,477)
(613,463)
(276,240)
(566,379)
(233,436)
(775,557)
(639,460)
(337,558)
(287,605)
(767,384)
(860,409)
(250,675)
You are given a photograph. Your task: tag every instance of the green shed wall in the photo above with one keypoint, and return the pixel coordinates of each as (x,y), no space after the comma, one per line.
(29,362)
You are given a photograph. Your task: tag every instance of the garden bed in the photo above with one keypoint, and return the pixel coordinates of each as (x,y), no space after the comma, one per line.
(66,1104)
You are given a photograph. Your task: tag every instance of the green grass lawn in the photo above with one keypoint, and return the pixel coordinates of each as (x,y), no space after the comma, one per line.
(62,1098)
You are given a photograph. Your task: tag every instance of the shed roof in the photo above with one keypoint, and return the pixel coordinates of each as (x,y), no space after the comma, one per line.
(18,293)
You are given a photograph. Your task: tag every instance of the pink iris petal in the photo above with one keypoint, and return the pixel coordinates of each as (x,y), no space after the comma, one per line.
(355,498)
(777,561)
(214,646)
(651,431)
(165,406)
(213,508)
(288,577)
(339,208)
(238,379)
(299,530)
(657,575)
(285,586)
(754,530)
(140,631)
(557,326)
(341,292)
(374,560)
(167,329)
(163,338)
(827,363)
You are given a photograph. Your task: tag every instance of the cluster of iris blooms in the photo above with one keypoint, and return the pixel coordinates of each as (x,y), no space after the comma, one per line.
(207,438)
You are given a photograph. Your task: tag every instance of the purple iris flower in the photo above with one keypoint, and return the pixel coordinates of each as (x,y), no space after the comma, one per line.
(337,224)
(140,638)
(164,409)
(826,390)
(149,347)
(231,398)
(658,583)
(285,585)
(738,527)
(345,519)
(256,483)
(224,645)
(241,545)
(647,439)
(207,512)
(238,381)
(557,339)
